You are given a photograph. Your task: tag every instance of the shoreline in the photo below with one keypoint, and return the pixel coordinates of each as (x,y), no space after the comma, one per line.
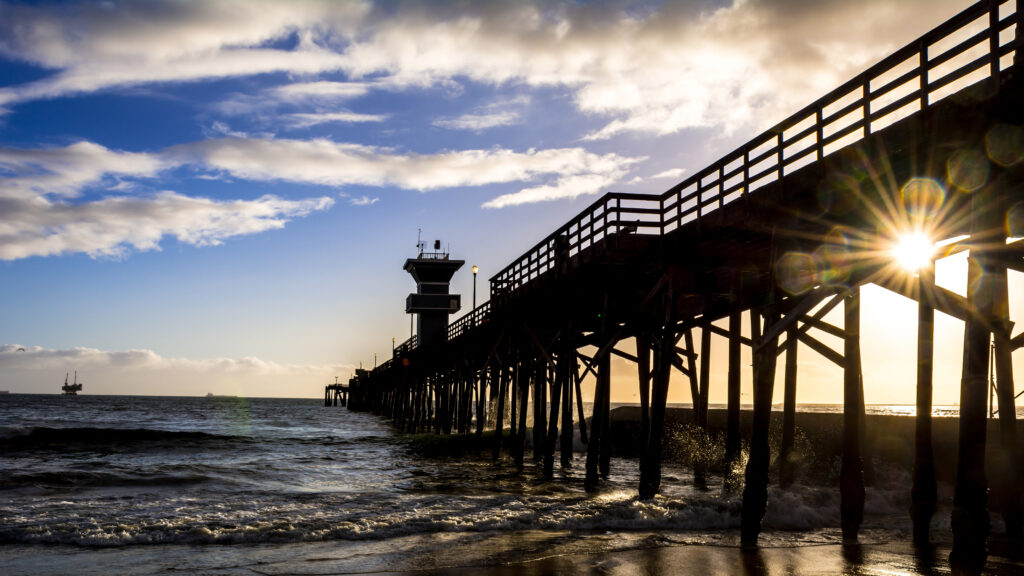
(889,438)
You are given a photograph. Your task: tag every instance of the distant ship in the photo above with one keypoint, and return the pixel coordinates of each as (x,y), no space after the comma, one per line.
(71,389)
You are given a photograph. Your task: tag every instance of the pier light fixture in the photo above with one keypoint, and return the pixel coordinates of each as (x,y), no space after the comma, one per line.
(475,270)
(913,251)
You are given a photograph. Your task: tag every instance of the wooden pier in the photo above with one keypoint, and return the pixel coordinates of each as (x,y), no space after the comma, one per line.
(780,232)
(336,394)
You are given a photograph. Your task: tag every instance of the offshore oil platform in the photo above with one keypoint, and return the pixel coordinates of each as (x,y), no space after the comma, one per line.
(71,389)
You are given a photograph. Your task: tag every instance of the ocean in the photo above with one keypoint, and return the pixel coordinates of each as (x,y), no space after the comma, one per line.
(223,485)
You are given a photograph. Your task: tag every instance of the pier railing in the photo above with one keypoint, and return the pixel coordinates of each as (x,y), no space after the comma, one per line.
(475,317)
(975,45)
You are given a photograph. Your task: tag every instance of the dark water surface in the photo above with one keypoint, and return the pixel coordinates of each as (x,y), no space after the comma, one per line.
(220,485)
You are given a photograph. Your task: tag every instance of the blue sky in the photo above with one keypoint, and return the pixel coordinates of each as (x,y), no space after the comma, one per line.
(219,196)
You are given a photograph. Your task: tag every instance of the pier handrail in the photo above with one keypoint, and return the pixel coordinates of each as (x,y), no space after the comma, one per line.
(961,52)
(475,317)
(406,347)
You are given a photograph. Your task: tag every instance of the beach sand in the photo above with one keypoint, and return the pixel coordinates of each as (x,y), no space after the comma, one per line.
(322,559)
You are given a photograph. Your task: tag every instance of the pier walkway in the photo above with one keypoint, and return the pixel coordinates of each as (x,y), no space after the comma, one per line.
(781,231)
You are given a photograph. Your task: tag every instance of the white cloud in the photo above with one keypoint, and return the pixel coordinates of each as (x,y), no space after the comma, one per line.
(364,201)
(320,91)
(305,120)
(478,122)
(653,71)
(37,187)
(503,112)
(65,171)
(40,220)
(329,163)
(564,187)
(671,173)
(111,227)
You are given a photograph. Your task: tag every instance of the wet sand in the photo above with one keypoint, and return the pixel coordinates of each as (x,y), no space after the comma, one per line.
(848,560)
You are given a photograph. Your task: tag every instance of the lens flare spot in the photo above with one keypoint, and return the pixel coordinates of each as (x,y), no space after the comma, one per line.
(796,272)
(922,198)
(838,194)
(1004,144)
(833,264)
(967,169)
(1015,221)
(913,251)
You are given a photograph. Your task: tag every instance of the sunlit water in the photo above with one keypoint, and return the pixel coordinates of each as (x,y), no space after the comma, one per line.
(149,484)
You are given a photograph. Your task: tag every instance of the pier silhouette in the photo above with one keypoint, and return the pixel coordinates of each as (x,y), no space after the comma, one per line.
(784,229)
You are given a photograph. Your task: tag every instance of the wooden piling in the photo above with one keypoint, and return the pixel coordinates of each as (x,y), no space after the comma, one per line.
(664,350)
(733,442)
(540,395)
(851,474)
(924,494)
(970,519)
(523,387)
(552,435)
(701,409)
(1009,473)
(598,429)
(568,356)
(786,457)
(755,489)
(643,368)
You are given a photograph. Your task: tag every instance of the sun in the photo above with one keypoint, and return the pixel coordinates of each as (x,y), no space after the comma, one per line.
(913,251)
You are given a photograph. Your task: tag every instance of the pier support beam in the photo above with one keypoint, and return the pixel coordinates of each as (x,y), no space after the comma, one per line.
(1009,469)
(733,442)
(568,358)
(664,351)
(924,494)
(755,490)
(540,402)
(598,423)
(556,396)
(700,467)
(786,457)
(970,518)
(851,475)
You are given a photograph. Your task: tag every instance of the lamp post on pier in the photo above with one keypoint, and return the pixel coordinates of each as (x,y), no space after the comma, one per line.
(475,270)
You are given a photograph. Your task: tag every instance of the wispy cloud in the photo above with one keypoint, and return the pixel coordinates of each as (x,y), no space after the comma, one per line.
(671,173)
(305,120)
(478,122)
(363,201)
(330,163)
